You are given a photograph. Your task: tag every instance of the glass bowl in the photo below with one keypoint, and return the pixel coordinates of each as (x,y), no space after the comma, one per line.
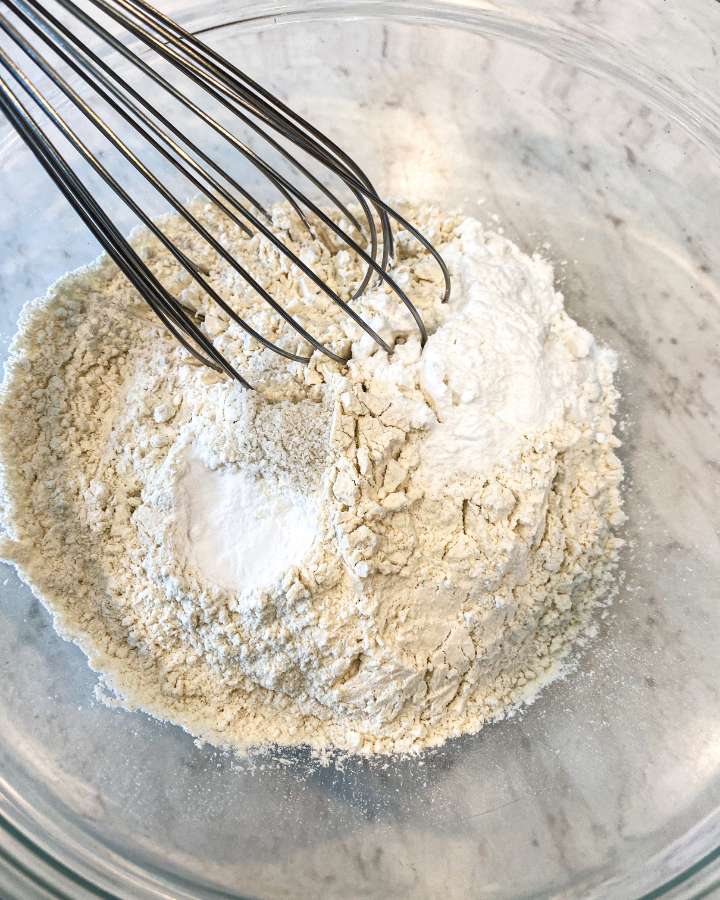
(592,130)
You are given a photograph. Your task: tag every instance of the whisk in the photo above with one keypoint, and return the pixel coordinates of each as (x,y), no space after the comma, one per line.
(310,156)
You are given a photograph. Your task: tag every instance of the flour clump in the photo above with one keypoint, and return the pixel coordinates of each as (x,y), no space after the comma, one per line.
(374,558)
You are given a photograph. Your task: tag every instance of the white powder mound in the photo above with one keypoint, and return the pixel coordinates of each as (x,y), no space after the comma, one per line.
(373,558)
(238,534)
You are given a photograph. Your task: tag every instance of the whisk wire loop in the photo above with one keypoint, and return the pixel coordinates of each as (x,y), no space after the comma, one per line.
(255,108)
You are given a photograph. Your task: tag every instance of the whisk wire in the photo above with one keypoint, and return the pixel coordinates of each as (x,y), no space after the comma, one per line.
(131,157)
(44,25)
(253,106)
(209,72)
(273,175)
(262,94)
(285,120)
(190,267)
(357,182)
(172,199)
(161,302)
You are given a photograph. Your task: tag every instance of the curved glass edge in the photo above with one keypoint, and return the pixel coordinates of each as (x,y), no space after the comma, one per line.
(702,879)
(27,871)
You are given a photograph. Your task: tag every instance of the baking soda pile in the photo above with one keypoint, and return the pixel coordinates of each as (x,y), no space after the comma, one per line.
(374,558)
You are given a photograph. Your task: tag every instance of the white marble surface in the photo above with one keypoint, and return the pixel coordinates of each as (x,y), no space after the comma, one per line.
(611,783)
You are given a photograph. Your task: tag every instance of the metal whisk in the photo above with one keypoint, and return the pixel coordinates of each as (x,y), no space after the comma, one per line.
(310,155)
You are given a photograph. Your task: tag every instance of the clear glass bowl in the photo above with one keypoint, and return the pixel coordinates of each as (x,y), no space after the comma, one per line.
(596,128)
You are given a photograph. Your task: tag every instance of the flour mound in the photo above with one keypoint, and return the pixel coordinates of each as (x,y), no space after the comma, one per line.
(373,558)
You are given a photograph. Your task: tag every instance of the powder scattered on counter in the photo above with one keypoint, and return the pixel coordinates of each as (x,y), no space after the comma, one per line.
(373,558)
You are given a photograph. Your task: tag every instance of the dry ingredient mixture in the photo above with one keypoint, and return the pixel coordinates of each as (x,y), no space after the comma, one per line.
(373,558)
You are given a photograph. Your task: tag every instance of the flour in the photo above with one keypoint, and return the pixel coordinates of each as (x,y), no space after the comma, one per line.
(374,558)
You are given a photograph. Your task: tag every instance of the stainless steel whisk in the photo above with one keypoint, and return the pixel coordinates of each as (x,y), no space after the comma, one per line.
(34,29)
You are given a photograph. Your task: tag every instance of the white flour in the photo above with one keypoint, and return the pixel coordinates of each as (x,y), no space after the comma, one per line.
(374,558)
